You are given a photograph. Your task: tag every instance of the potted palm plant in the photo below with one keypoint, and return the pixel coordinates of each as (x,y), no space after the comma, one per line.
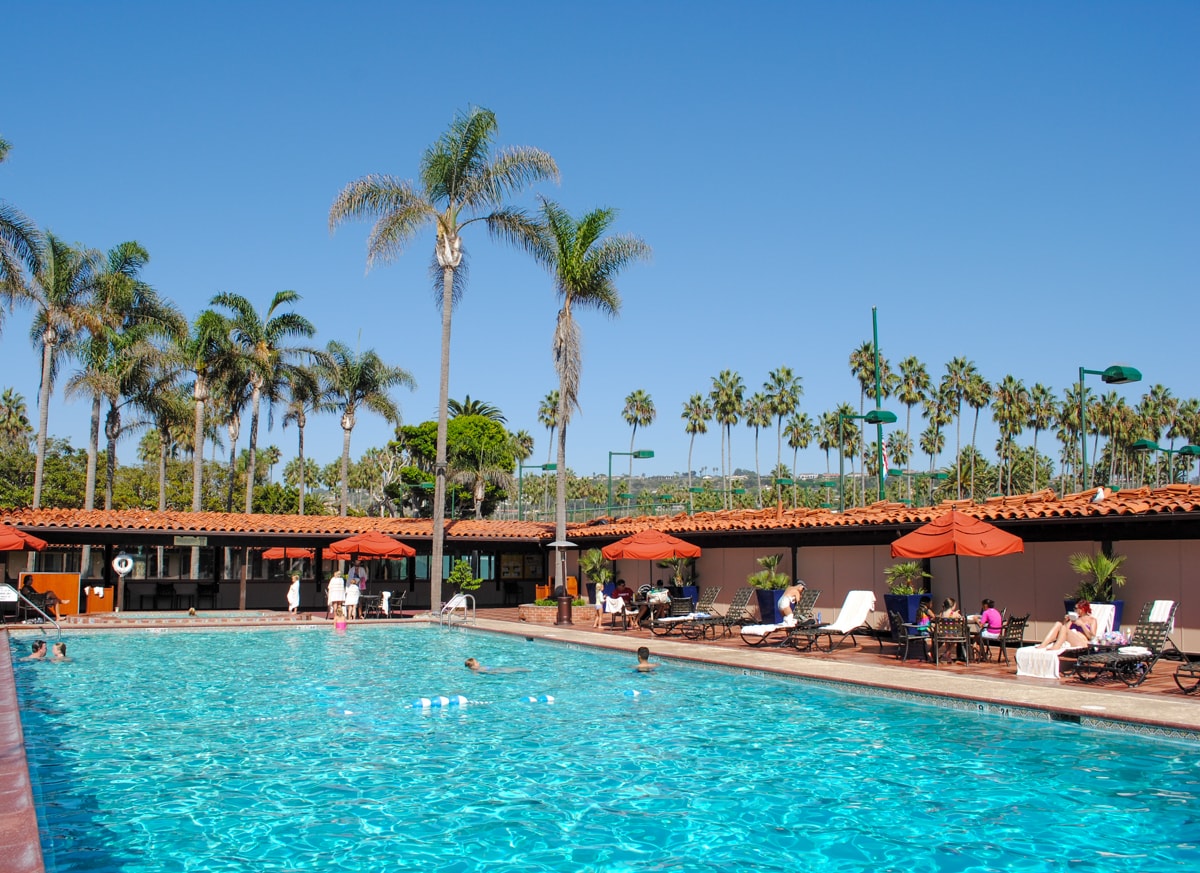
(594,565)
(1100,577)
(768,582)
(906,583)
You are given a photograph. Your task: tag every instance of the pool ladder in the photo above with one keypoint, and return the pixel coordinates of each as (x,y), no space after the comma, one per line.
(459,609)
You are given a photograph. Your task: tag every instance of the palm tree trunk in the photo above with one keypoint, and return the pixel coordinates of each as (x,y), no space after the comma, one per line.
(691,502)
(112,429)
(300,457)
(345,473)
(1034,486)
(439,464)
(255,398)
(197,467)
(89,488)
(162,491)
(39,468)
(560,493)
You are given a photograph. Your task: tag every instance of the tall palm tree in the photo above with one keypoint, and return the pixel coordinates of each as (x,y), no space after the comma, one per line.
(956,383)
(799,433)
(460,183)
(978,395)
(306,394)
(262,340)
(60,290)
(15,429)
(827,435)
(758,410)
(522,442)
(914,386)
(359,380)
(639,411)
(21,247)
(728,391)
(784,389)
(548,418)
(1010,412)
(1041,416)
(584,265)
(697,412)
(467,406)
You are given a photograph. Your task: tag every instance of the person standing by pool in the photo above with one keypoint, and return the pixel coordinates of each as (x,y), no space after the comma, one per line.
(789,600)
(599,622)
(335,592)
(293,594)
(352,594)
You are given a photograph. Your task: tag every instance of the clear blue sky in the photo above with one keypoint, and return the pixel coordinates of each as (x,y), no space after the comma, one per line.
(1012,182)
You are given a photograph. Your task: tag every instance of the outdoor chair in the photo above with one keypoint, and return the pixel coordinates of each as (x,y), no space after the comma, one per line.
(850,621)
(907,637)
(1046,663)
(1163,610)
(1187,676)
(708,598)
(1132,663)
(735,616)
(954,632)
(679,613)
(783,634)
(614,606)
(1012,634)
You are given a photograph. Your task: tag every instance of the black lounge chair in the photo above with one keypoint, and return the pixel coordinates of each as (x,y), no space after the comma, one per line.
(1131,664)
(784,634)
(678,614)
(1187,676)
(736,616)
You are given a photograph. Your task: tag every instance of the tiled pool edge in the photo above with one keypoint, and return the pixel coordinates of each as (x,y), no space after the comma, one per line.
(20,843)
(993,705)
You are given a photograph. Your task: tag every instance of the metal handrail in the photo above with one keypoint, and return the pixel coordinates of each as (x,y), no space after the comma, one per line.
(31,605)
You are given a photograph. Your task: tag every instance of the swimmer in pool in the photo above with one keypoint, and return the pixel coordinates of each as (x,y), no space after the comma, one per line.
(643,664)
(475,667)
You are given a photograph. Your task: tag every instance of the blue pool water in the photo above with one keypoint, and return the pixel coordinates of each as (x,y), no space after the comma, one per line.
(299,750)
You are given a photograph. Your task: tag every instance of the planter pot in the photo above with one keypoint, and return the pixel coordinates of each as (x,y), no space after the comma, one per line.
(768,604)
(1117,605)
(692,591)
(906,605)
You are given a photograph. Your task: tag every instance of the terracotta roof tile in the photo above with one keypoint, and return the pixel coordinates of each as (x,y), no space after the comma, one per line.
(1023,507)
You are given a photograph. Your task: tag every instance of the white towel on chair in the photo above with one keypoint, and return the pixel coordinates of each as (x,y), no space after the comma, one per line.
(1161,609)
(1042,663)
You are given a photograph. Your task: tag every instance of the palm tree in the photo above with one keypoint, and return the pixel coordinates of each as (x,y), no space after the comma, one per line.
(548,418)
(799,433)
(1010,412)
(360,380)
(261,339)
(584,265)
(639,411)
(978,395)
(14,420)
(728,391)
(914,386)
(231,393)
(697,412)
(1041,416)
(306,394)
(490,463)
(784,389)
(21,248)
(957,383)
(60,291)
(758,415)
(458,177)
(475,407)
(827,435)
(522,445)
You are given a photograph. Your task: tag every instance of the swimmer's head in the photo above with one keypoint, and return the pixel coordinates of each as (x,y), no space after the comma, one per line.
(471,664)
(643,653)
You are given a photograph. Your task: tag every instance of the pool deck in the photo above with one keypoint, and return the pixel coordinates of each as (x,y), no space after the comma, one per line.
(1157,707)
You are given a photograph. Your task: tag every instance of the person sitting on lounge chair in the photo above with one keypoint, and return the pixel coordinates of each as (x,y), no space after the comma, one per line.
(50,599)
(1075,631)
(788,601)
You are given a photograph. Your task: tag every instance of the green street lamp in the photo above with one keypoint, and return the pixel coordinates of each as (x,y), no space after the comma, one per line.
(875,416)
(1189,451)
(911,475)
(640,454)
(1112,376)
(521,468)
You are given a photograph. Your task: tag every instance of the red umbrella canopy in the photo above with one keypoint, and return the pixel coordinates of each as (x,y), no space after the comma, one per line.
(370,544)
(650,545)
(281,553)
(957,534)
(14,540)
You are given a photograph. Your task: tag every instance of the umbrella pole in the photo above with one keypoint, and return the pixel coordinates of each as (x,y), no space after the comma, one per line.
(958,581)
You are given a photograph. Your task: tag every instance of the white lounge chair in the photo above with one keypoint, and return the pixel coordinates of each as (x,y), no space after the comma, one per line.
(851,620)
(1045,663)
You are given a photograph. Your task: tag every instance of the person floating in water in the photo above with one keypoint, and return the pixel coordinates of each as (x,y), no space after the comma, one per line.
(643,664)
(475,667)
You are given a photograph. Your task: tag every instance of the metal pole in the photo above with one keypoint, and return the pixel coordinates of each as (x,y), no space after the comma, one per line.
(520,506)
(841,469)
(1083,431)
(608,506)
(878,402)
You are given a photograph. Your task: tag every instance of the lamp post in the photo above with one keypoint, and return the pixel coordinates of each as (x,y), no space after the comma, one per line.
(520,468)
(875,416)
(640,454)
(1188,451)
(1114,375)
(938,476)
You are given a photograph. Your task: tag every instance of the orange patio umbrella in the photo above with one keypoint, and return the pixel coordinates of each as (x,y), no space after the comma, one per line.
(370,544)
(956,533)
(650,545)
(14,540)
(283,553)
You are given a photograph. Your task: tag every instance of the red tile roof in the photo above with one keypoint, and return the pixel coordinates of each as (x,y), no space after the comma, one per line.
(1171,500)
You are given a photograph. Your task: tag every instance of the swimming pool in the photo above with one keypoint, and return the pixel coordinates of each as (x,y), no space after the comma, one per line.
(298,750)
